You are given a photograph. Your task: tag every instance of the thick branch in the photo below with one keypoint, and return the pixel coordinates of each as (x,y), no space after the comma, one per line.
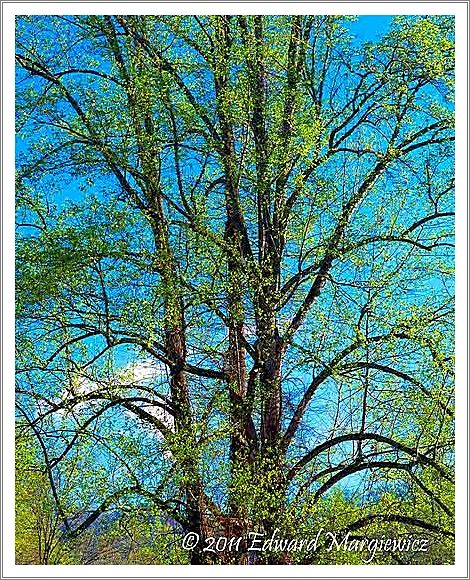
(418,457)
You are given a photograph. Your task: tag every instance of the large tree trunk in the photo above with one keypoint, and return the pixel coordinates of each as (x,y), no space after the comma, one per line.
(243,439)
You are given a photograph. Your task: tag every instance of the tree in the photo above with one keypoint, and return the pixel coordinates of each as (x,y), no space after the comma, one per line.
(257,212)
(37,522)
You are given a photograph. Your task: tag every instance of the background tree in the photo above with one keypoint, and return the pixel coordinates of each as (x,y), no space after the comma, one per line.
(38,523)
(235,270)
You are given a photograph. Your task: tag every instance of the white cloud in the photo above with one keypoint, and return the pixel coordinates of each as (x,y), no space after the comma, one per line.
(144,374)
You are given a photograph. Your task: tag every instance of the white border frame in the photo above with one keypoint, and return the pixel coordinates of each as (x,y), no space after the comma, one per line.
(9,10)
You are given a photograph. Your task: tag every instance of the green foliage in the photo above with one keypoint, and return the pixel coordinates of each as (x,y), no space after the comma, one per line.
(38,536)
(234,286)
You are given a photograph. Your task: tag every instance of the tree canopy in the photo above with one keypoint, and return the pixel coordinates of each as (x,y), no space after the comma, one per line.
(235,280)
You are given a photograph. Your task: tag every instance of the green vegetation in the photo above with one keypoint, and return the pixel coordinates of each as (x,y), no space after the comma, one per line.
(234,287)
